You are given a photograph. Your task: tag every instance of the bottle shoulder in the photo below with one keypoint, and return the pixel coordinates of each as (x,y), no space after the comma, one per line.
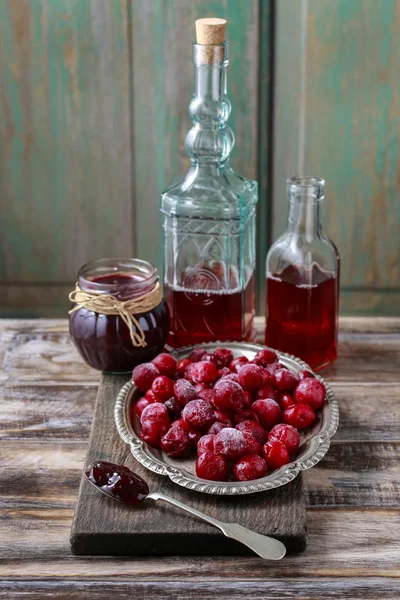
(211,192)
(291,249)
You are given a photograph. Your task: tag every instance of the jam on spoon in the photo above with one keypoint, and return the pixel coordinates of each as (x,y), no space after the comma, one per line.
(120,483)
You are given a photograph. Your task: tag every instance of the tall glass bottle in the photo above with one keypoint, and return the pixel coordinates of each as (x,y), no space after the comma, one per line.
(209,221)
(302,280)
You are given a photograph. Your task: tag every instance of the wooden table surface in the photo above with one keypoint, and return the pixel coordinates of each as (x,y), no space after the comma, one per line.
(353,495)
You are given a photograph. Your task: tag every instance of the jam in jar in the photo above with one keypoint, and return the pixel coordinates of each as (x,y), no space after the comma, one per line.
(104,340)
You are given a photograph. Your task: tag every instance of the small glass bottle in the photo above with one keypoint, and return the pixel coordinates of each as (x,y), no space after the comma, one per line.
(302,280)
(209,221)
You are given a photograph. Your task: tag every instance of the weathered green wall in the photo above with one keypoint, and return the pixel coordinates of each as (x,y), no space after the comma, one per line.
(93,116)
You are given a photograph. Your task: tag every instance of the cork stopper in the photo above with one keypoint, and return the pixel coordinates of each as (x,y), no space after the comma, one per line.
(210,36)
(210,32)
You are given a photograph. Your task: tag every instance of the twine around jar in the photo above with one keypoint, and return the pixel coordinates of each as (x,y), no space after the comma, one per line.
(107,304)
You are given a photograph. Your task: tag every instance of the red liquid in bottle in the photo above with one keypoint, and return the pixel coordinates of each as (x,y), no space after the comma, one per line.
(201,313)
(301,314)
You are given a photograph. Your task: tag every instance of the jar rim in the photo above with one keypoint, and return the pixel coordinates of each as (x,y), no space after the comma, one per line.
(107,266)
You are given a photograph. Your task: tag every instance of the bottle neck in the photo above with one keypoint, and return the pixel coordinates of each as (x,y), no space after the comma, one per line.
(210,141)
(305,198)
(305,217)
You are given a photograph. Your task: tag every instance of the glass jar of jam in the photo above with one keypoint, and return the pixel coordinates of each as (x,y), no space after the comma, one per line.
(104,340)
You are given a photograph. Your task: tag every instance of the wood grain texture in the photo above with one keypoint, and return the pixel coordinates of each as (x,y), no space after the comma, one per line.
(103,526)
(65,173)
(162,87)
(336,107)
(353,495)
(267,589)
(341,543)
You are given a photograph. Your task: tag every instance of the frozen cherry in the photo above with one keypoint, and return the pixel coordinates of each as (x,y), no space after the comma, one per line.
(244,415)
(285,380)
(252,446)
(300,416)
(150,395)
(181,366)
(213,358)
(224,355)
(223,417)
(285,400)
(256,361)
(275,454)
(249,467)
(165,363)
(197,354)
(201,386)
(142,403)
(184,392)
(230,442)
(266,356)
(212,466)
(188,375)
(251,377)
(205,444)
(154,412)
(304,374)
(271,368)
(163,387)
(118,481)
(152,431)
(224,371)
(194,436)
(288,435)
(206,395)
(236,363)
(248,399)
(217,426)
(312,392)
(175,442)
(182,424)
(267,391)
(231,377)
(199,414)
(268,412)
(228,395)
(173,407)
(143,376)
(204,372)
(253,429)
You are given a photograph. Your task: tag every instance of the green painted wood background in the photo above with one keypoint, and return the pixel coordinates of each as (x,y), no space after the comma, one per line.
(94,101)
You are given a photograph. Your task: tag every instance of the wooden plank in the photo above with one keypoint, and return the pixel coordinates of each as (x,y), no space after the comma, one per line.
(336,62)
(162,82)
(103,526)
(341,543)
(267,589)
(369,301)
(59,412)
(351,475)
(49,299)
(64,412)
(65,179)
(265,122)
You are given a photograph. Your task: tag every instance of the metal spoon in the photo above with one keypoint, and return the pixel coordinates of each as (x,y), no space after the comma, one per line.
(120,483)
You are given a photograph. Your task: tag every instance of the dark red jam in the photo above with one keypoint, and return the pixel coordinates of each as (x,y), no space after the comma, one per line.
(118,482)
(104,341)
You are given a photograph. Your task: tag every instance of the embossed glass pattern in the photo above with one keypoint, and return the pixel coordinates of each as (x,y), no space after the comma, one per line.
(209,223)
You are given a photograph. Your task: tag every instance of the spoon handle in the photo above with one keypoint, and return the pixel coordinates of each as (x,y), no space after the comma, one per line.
(267,547)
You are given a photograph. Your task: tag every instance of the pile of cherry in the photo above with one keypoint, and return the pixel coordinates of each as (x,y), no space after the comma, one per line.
(243,417)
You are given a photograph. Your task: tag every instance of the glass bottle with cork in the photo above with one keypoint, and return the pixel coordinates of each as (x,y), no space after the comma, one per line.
(302,280)
(209,214)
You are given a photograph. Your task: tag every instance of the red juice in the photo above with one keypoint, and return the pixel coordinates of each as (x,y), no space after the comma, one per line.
(201,315)
(301,314)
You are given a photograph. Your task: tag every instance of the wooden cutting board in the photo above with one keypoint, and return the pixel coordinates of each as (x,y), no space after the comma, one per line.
(103,526)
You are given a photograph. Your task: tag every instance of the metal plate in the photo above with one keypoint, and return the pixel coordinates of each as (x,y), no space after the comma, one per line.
(314,445)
